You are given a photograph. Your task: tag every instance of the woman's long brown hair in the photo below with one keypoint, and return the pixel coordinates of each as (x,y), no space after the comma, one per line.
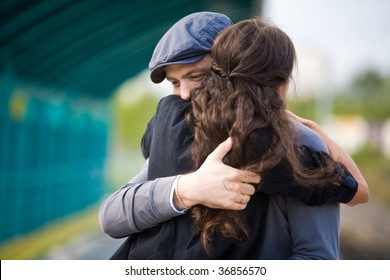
(240,97)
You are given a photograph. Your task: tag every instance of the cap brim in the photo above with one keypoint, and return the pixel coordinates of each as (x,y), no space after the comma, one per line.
(157,75)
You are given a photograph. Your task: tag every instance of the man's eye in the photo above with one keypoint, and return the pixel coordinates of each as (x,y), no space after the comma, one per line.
(175,83)
(196,78)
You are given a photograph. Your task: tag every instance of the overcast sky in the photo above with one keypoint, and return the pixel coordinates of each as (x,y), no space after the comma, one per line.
(338,37)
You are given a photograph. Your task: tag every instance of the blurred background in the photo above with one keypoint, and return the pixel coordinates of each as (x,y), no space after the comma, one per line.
(75,98)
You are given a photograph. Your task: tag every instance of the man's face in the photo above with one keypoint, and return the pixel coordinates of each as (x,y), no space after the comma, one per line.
(186,77)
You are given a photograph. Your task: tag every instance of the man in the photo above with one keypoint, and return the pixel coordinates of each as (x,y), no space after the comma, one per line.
(182,57)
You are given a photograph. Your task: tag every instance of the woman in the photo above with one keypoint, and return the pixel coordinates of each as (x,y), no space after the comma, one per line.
(243,97)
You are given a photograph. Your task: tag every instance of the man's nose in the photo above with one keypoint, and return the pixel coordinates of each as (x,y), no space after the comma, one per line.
(185,91)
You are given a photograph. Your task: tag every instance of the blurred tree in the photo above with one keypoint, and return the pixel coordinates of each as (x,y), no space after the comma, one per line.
(376,169)
(368,95)
(304,108)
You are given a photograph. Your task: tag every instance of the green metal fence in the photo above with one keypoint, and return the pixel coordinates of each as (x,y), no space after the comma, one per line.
(52,155)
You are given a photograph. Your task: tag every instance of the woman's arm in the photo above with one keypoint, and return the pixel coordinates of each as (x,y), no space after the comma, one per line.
(337,153)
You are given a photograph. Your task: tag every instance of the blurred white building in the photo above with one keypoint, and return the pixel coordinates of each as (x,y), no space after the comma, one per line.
(350,132)
(312,74)
(386,138)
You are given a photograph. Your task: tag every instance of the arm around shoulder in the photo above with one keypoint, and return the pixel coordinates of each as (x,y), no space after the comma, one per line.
(338,154)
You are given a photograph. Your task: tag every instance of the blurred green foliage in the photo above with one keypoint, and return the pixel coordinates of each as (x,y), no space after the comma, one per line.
(376,169)
(368,96)
(131,112)
(131,117)
(304,108)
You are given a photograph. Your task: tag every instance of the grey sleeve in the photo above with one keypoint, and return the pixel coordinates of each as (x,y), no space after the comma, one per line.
(315,230)
(310,138)
(138,205)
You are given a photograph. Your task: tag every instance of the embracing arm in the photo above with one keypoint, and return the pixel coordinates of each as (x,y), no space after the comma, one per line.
(138,205)
(142,204)
(337,153)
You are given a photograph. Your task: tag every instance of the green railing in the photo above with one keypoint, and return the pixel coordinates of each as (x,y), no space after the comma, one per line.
(52,155)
